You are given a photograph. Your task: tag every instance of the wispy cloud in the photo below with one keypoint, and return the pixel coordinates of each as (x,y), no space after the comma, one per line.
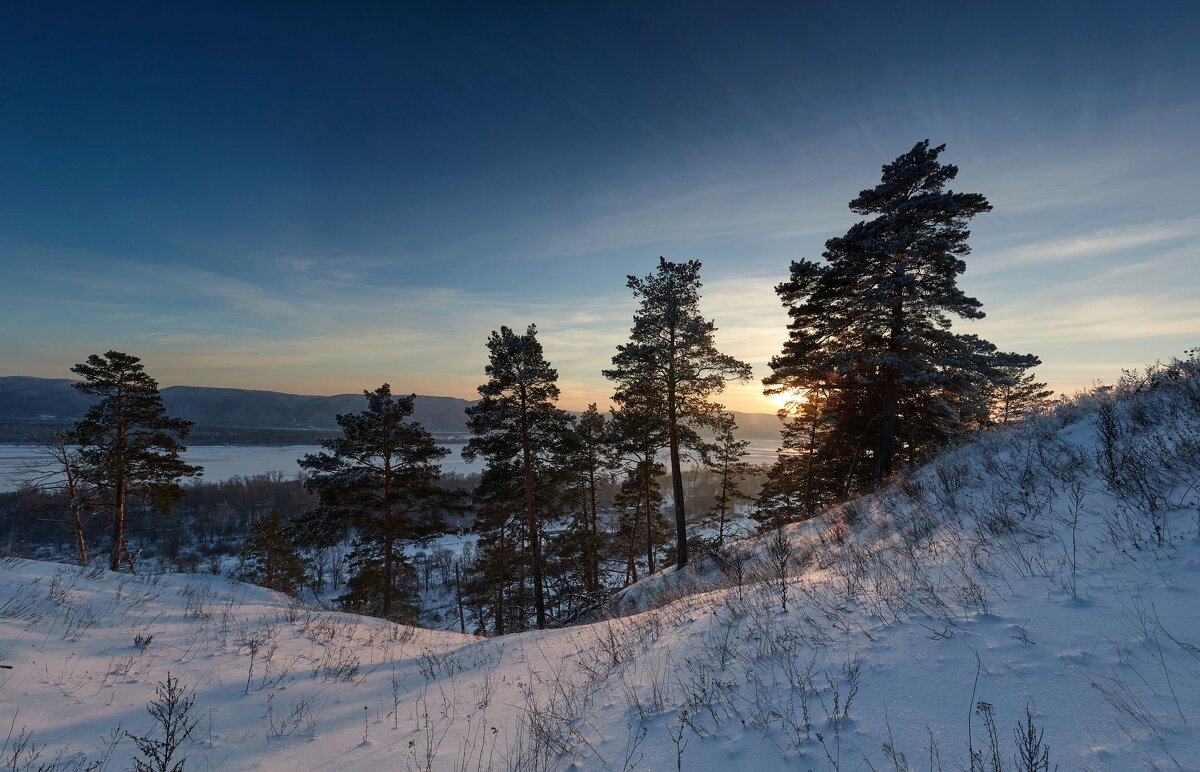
(1105,241)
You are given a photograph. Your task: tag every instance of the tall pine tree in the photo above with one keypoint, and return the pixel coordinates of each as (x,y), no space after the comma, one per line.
(516,424)
(672,351)
(128,445)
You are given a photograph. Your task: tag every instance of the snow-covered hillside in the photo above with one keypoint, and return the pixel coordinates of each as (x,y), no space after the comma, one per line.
(1047,574)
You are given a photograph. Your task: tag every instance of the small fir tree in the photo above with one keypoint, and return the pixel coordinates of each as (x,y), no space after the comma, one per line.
(590,462)
(781,498)
(270,555)
(1018,396)
(379,480)
(726,460)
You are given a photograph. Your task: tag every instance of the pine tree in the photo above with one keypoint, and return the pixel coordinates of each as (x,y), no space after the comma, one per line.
(871,327)
(587,459)
(128,445)
(380,480)
(640,524)
(516,424)
(781,498)
(496,582)
(726,459)
(1018,396)
(672,351)
(271,557)
(638,433)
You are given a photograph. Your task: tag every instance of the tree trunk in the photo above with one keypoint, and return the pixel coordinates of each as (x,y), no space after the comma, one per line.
(388,538)
(118,525)
(809,502)
(534,535)
(891,387)
(723,503)
(270,545)
(64,455)
(500,585)
(887,429)
(594,546)
(649,527)
(677,485)
(80,541)
(630,554)
(462,618)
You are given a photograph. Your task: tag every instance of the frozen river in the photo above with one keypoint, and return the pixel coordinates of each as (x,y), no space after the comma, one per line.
(222,462)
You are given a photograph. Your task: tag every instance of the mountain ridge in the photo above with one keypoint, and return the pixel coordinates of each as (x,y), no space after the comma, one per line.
(54,400)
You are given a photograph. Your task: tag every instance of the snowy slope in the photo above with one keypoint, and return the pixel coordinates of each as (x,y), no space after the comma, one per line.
(1033,569)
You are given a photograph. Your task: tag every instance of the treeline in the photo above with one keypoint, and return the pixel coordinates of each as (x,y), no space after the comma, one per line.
(211,520)
(569,507)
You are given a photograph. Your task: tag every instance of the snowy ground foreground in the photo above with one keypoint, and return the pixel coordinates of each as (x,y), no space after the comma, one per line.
(905,611)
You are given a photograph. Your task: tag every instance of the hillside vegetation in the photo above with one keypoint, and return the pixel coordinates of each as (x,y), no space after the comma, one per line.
(1023,600)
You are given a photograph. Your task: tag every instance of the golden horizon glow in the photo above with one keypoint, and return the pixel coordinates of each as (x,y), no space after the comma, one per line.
(786,399)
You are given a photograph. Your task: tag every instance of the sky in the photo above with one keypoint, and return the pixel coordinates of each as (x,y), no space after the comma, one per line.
(318,198)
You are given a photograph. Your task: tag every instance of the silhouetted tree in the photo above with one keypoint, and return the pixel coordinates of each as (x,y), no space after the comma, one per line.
(517,424)
(672,350)
(587,458)
(56,474)
(638,433)
(1019,395)
(380,480)
(726,459)
(128,445)
(875,318)
(496,583)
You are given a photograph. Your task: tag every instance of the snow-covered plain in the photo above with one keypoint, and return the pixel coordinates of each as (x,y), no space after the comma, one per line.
(1032,569)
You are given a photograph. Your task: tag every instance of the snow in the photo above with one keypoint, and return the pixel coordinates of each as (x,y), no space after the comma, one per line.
(905,610)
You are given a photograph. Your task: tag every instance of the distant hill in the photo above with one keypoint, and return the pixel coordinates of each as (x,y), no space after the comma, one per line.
(54,401)
(245,416)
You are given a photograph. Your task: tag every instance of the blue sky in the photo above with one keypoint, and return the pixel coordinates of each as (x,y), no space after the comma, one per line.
(319,198)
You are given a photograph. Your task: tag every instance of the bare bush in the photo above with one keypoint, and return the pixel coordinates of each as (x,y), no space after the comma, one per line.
(173,724)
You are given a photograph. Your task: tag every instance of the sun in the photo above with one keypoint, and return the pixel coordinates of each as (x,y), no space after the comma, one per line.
(785,398)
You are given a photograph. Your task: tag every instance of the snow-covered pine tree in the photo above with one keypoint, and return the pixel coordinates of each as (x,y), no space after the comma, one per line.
(128,446)
(875,319)
(672,350)
(380,480)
